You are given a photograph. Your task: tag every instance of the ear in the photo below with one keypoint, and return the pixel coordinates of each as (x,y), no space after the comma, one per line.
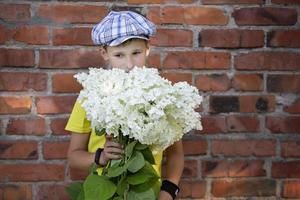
(147,49)
(103,53)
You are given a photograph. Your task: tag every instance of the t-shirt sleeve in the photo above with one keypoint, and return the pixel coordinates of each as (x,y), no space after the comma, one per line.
(78,122)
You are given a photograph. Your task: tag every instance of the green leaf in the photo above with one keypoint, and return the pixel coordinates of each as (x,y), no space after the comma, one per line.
(115,170)
(122,186)
(115,162)
(98,187)
(153,183)
(140,146)
(143,175)
(74,190)
(147,153)
(100,132)
(81,195)
(118,198)
(129,148)
(137,162)
(145,195)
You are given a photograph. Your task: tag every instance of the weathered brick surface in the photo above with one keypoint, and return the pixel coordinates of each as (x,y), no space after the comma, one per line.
(242,55)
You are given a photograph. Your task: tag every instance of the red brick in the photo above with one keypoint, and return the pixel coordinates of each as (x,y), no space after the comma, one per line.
(236,123)
(240,168)
(195,147)
(16,192)
(173,38)
(258,148)
(197,60)
(177,77)
(286,1)
(190,169)
(15,12)
(281,124)
(291,189)
(265,16)
(18,150)
(32,172)
(220,104)
(194,15)
(283,83)
(213,82)
(243,188)
(69,13)
(17,57)
(65,83)
(75,58)
(212,124)
(30,126)
(55,104)
(58,125)
(284,38)
(232,38)
(290,149)
(288,169)
(76,174)
(248,82)
(6,34)
(15,105)
(257,103)
(294,107)
(145,1)
(233,2)
(55,150)
(245,104)
(50,192)
(154,15)
(154,60)
(195,189)
(22,81)
(72,36)
(268,61)
(32,35)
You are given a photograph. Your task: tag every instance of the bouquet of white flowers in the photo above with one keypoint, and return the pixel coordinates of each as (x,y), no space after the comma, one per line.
(146,113)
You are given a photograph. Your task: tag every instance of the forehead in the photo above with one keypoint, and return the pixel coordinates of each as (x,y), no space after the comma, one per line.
(134,44)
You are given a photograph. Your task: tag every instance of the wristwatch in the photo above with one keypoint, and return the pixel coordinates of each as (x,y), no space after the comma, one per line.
(170,187)
(97,156)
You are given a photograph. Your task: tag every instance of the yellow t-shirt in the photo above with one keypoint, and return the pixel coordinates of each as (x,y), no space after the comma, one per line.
(78,123)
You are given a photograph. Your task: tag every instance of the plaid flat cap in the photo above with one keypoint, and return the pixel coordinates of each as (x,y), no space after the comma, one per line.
(117,27)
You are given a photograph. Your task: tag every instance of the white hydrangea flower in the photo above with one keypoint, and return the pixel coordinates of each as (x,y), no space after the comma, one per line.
(141,104)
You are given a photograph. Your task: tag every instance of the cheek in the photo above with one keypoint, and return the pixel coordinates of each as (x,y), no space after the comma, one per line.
(118,63)
(140,61)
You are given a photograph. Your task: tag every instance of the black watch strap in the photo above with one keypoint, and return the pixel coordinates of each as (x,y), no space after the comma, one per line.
(170,187)
(97,155)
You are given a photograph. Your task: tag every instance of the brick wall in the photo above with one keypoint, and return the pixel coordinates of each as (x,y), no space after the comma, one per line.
(242,55)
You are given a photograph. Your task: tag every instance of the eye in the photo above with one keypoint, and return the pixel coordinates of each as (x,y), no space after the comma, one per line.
(119,55)
(136,52)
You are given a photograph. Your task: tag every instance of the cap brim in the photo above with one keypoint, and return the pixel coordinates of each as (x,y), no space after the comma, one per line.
(120,40)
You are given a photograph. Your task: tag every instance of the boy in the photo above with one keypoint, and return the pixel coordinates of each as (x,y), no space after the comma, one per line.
(123,37)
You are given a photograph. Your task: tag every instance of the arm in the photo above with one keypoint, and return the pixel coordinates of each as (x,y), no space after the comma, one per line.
(174,165)
(78,155)
(80,158)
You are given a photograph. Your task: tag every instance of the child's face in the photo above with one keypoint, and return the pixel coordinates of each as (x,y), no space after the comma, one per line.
(126,56)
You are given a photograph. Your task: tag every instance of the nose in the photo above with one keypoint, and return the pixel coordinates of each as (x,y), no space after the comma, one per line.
(130,62)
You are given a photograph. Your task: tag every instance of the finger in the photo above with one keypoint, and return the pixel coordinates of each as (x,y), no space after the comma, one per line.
(113,144)
(113,156)
(108,137)
(114,150)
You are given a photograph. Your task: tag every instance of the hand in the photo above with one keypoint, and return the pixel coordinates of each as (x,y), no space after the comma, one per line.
(163,195)
(112,151)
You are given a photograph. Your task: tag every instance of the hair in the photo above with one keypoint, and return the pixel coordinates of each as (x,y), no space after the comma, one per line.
(125,43)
